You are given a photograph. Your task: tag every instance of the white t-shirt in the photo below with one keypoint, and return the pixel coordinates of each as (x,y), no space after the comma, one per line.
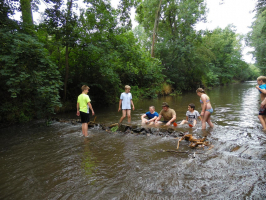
(192,116)
(126,97)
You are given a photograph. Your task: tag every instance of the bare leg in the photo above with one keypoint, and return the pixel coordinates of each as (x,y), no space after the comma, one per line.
(83,132)
(123,116)
(194,122)
(261,118)
(144,121)
(158,123)
(128,116)
(85,129)
(204,119)
(209,121)
(184,122)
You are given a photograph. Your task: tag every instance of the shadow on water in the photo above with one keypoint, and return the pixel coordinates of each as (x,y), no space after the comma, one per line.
(56,162)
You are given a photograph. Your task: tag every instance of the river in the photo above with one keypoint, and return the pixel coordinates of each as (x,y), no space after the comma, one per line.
(56,162)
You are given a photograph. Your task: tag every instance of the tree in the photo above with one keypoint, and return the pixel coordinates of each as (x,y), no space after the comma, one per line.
(61,23)
(257,39)
(29,81)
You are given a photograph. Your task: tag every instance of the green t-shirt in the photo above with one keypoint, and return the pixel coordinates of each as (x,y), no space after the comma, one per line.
(83,100)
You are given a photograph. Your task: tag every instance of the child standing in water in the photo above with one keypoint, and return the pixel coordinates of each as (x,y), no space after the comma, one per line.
(261,80)
(126,102)
(206,108)
(83,105)
(192,116)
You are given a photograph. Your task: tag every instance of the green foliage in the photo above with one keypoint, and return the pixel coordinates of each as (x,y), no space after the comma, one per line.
(29,81)
(257,38)
(96,47)
(114,129)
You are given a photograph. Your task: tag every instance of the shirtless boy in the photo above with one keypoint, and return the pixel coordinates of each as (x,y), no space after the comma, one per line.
(261,80)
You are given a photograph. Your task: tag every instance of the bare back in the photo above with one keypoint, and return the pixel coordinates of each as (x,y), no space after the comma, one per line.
(262,96)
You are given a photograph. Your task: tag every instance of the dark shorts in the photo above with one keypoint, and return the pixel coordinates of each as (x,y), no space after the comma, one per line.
(85,117)
(262,111)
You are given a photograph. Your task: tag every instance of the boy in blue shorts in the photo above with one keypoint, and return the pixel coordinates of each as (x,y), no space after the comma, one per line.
(126,102)
(83,105)
(261,80)
(191,116)
(152,116)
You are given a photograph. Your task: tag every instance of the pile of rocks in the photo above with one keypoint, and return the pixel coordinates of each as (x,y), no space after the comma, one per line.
(129,129)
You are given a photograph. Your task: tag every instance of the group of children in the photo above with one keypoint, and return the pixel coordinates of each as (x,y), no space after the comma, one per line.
(151,117)
(192,115)
(168,114)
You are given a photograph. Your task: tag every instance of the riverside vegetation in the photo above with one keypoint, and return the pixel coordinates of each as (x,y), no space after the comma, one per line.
(44,65)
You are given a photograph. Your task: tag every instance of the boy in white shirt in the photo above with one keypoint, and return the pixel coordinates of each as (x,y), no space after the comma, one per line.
(191,116)
(126,102)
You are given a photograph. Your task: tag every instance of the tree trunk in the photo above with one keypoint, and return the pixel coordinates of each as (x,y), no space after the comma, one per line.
(67,71)
(26,14)
(67,53)
(155,29)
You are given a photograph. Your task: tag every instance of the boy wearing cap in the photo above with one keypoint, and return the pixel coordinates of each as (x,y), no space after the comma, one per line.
(152,116)
(126,102)
(168,114)
(83,105)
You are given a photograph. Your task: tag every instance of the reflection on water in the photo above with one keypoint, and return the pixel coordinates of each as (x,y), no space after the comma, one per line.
(58,163)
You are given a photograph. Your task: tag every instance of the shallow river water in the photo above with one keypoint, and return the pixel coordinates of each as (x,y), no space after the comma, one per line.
(56,162)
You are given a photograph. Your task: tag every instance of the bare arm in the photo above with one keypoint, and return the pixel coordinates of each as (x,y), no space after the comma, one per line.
(200,118)
(143,116)
(172,120)
(89,104)
(132,104)
(262,90)
(120,103)
(78,113)
(158,118)
(187,118)
(153,119)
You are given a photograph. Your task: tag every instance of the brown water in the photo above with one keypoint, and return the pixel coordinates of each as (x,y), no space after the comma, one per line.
(56,162)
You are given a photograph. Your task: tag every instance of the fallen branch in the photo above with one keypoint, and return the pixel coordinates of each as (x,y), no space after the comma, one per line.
(173,151)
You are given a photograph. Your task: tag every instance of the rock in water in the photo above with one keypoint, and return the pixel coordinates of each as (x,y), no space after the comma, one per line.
(163,130)
(143,132)
(123,127)
(154,130)
(170,130)
(138,129)
(113,125)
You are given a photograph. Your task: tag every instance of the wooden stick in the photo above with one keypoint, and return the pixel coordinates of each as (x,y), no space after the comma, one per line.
(182,152)
(177,151)
(178,143)
(210,147)
(94,119)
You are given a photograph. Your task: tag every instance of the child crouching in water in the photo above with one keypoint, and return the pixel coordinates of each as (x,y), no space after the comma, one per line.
(191,116)
(152,116)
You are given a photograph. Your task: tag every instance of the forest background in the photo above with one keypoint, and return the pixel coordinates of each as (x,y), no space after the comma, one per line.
(42,67)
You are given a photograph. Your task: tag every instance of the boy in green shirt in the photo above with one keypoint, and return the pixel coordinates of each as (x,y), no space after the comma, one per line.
(83,105)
